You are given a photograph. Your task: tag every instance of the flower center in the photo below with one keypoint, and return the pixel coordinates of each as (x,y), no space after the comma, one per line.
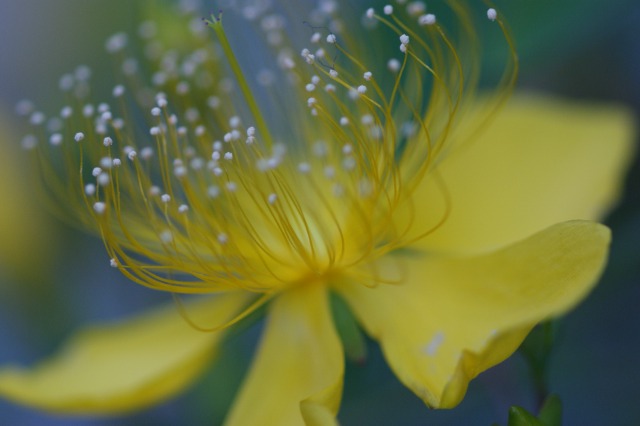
(212,179)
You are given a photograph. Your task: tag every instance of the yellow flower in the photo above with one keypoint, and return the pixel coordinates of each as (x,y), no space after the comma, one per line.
(338,170)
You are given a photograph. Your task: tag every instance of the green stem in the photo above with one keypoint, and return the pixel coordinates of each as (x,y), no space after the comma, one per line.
(216,25)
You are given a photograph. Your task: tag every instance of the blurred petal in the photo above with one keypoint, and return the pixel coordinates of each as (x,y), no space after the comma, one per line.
(540,162)
(125,366)
(452,318)
(297,374)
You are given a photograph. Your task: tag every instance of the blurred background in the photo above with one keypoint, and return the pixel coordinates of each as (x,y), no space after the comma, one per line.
(54,278)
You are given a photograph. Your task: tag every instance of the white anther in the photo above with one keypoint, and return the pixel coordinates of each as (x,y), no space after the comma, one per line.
(304,168)
(118,91)
(347,149)
(331,38)
(329,172)
(218,171)
(234,121)
(310,87)
(315,79)
(344,121)
(388,9)
(213,102)
(315,37)
(180,171)
(101,128)
(99,207)
(272,198)
(146,152)
(415,8)
(228,156)
(329,88)
(370,13)
(165,198)
(66,82)
(362,89)
(116,162)
(338,190)
(349,163)
(90,189)
(29,142)
(311,102)
(366,119)
(251,131)
(87,110)
(66,112)
(492,14)
(182,88)
(117,123)
(200,131)
(404,39)
(106,162)
(37,118)
(215,156)
(107,141)
(161,102)
(222,238)
(217,146)
(367,75)
(231,186)
(155,111)
(192,115)
(166,236)
(213,191)
(154,131)
(113,262)
(106,116)
(154,191)
(132,154)
(55,139)
(96,171)
(103,179)
(183,208)
(116,42)
(393,65)
(24,107)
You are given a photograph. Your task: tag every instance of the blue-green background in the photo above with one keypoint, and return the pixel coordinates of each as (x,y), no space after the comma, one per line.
(582,49)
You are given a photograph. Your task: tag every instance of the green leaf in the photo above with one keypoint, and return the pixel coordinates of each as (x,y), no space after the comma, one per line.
(518,416)
(551,412)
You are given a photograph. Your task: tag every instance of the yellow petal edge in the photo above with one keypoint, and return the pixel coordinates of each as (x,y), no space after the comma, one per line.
(296,377)
(541,161)
(453,318)
(126,366)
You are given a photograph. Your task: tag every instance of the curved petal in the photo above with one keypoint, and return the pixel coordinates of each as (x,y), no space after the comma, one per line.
(452,318)
(126,366)
(540,162)
(297,375)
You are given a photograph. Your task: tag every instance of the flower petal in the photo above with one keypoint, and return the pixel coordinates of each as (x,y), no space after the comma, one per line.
(452,318)
(126,366)
(540,162)
(297,375)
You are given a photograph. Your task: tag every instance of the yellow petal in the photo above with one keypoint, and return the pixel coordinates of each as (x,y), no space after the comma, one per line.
(451,318)
(298,371)
(125,366)
(540,162)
